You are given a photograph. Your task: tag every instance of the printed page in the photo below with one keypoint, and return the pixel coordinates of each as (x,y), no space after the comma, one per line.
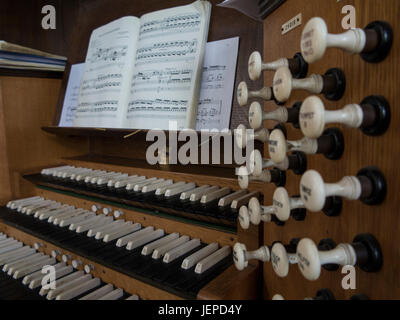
(217,85)
(166,81)
(108,72)
(71,95)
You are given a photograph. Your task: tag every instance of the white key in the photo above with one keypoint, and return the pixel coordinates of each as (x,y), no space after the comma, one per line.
(80,218)
(73,226)
(227,200)
(49,171)
(2,236)
(76,171)
(187,194)
(22,264)
(18,263)
(56,220)
(21,206)
(97,294)
(74,175)
(46,213)
(113,227)
(14,204)
(130,237)
(149,248)
(193,259)
(44,203)
(162,190)
(212,259)
(113,295)
(134,297)
(126,230)
(67,286)
(83,176)
(103,176)
(196,196)
(215,195)
(12,246)
(17,258)
(5,257)
(62,272)
(6,242)
(107,227)
(96,224)
(89,177)
(156,182)
(80,289)
(162,250)
(62,213)
(175,191)
(155,186)
(238,203)
(133,244)
(60,282)
(37,266)
(53,205)
(104,180)
(133,185)
(38,274)
(124,183)
(181,250)
(113,181)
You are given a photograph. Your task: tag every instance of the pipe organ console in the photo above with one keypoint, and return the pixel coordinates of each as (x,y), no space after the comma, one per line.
(112,227)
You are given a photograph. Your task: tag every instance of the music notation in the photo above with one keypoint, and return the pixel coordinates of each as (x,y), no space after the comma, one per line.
(156,105)
(209,113)
(175,24)
(167,51)
(113,54)
(99,106)
(155,80)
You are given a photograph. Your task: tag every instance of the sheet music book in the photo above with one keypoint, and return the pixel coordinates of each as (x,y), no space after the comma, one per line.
(216,94)
(142,72)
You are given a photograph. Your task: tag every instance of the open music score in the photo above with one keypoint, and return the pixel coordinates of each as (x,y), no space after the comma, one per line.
(159,55)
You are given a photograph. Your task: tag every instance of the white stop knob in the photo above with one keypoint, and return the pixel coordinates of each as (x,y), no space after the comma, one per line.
(255,65)
(244,218)
(281,202)
(280,260)
(314,191)
(95,207)
(239,258)
(107,211)
(242,93)
(277,146)
(76,263)
(313,117)
(283,84)
(256,115)
(118,213)
(315,40)
(66,258)
(88,268)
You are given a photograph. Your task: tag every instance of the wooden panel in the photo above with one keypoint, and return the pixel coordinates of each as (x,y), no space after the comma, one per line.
(21,23)
(363,79)
(119,280)
(223,288)
(26,104)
